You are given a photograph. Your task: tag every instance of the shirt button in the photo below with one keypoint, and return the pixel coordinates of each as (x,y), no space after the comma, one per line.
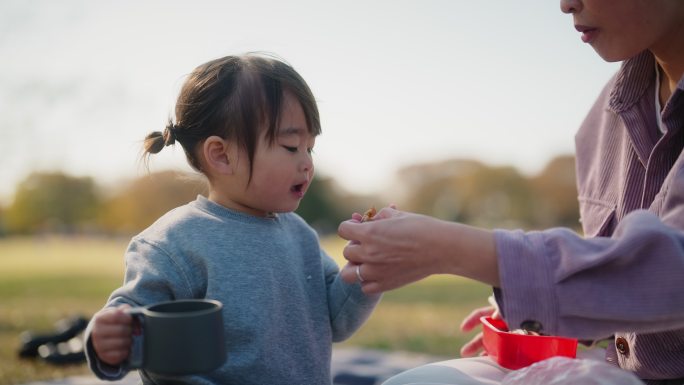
(622,346)
(531,326)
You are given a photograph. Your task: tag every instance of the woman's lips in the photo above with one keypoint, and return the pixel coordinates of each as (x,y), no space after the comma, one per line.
(588,33)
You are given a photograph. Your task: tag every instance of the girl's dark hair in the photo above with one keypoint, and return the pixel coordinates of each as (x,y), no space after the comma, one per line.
(232,97)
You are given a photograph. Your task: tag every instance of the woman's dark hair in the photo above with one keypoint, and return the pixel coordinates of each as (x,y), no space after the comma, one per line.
(232,97)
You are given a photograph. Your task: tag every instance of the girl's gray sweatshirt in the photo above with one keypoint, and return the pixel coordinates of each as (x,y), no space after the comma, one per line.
(284,301)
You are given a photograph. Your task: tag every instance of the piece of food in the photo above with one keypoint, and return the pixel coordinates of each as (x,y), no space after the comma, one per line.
(525,332)
(368,215)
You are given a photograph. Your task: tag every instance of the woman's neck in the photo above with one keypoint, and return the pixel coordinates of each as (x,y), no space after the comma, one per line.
(670,57)
(669,78)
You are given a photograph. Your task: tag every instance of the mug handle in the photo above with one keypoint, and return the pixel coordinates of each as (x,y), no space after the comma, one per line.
(136,355)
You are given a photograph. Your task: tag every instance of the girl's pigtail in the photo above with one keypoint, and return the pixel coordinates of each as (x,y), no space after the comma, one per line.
(156,141)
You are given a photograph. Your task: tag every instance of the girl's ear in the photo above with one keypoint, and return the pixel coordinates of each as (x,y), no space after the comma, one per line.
(217,155)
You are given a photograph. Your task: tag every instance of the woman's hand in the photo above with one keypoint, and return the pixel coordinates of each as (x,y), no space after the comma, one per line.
(475,345)
(397,248)
(111,334)
(385,250)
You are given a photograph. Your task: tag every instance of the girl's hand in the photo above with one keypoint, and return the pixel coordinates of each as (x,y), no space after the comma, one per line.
(111,334)
(475,345)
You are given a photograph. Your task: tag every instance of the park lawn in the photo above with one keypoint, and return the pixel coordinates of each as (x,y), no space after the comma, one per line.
(46,279)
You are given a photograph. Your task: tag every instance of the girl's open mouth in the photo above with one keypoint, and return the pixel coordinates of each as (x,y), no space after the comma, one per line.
(299,189)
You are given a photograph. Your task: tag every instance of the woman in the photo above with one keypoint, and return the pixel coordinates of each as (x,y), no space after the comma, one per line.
(623,279)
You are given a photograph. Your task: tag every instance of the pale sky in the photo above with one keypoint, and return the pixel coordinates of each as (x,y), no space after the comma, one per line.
(398,82)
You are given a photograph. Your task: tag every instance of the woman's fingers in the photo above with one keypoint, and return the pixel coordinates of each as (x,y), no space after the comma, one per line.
(348,273)
(387,212)
(385,249)
(372,288)
(365,275)
(472,347)
(352,231)
(473,319)
(353,252)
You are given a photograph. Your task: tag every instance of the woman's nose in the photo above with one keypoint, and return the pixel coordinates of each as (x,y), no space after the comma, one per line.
(571,6)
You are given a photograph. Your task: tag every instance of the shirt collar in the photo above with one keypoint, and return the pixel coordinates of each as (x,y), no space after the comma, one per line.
(656,97)
(633,79)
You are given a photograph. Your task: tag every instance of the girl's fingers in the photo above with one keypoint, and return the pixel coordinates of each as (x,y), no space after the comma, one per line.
(108,344)
(112,351)
(113,357)
(112,330)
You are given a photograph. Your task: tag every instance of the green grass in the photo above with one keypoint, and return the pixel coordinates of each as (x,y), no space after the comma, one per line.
(44,280)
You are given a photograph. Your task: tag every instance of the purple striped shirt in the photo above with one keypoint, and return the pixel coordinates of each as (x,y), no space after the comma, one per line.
(625,277)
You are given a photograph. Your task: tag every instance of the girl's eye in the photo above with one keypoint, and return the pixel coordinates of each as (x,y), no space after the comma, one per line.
(310,150)
(290,149)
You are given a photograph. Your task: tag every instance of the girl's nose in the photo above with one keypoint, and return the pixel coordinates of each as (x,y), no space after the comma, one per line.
(307,163)
(571,6)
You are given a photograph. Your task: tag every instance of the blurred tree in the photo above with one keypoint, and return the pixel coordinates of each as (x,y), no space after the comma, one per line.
(501,197)
(460,190)
(438,189)
(471,192)
(556,191)
(3,230)
(52,202)
(142,201)
(320,207)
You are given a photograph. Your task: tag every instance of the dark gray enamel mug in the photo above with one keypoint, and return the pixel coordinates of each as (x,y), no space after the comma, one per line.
(178,337)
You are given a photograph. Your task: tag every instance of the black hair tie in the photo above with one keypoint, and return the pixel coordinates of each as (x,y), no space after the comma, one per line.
(170,134)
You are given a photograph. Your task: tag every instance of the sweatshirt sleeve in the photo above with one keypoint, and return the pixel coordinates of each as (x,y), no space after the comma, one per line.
(349,307)
(592,288)
(151,275)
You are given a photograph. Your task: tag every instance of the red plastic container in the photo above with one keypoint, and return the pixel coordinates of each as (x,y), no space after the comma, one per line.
(515,351)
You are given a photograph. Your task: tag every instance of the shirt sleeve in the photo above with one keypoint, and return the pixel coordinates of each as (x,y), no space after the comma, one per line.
(349,307)
(152,275)
(592,288)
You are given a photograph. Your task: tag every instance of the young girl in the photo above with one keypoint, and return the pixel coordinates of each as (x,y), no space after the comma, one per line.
(248,123)
(623,280)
